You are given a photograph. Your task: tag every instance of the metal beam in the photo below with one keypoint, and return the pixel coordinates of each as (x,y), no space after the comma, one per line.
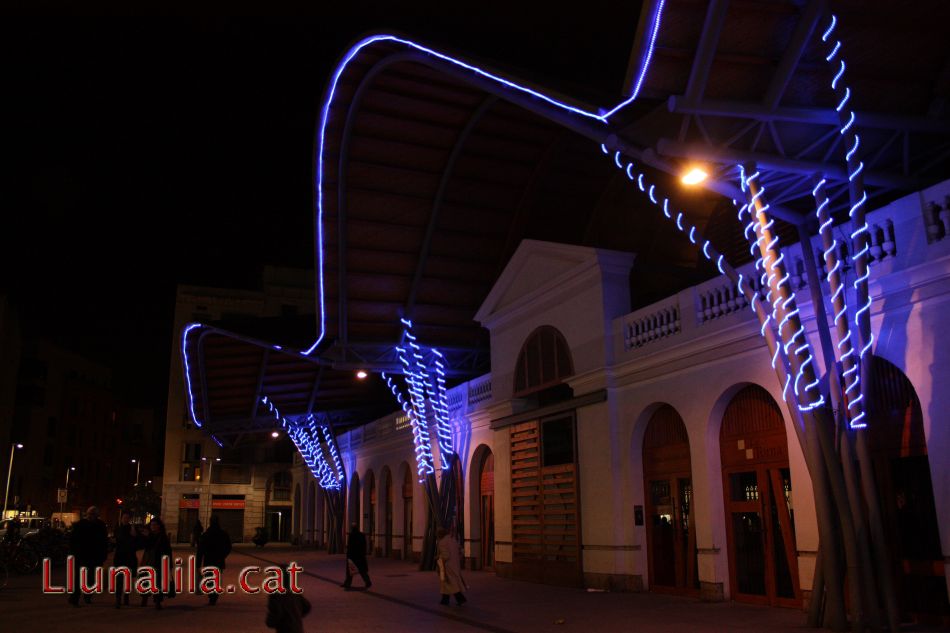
(394,368)
(812,116)
(668,147)
(260,382)
(439,196)
(315,390)
(793,52)
(706,50)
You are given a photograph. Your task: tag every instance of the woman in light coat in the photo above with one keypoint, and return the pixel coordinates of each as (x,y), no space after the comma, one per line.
(450,568)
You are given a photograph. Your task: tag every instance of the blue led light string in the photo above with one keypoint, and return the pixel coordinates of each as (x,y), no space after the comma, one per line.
(419,418)
(440,405)
(858,198)
(805,383)
(644,65)
(324,473)
(331,91)
(307,441)
(420,435)
(432,388)
(334,453)
(743,285)
(184,351)
(851,374)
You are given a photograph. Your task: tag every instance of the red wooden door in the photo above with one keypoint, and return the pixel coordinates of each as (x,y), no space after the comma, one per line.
(763,565)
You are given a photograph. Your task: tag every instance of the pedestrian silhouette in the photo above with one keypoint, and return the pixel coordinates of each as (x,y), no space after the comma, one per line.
(127,541)
(89,544)
(213,549)
(356,558)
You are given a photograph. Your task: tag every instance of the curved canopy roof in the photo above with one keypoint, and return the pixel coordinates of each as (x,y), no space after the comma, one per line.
(429,170)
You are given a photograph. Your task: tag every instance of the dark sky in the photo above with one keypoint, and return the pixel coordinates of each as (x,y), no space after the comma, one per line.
(142,151)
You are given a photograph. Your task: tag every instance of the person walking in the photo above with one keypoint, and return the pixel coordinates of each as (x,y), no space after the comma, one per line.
(449,563)
(196,533)
(127,542)
(286,610)
(356,558)
(89,544)
(157,545)
(213,549)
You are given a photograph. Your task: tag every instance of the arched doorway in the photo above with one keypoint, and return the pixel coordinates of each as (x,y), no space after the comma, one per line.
(369,514)
(757,489)
(407,512)
(486,510)
(311,513)
(667,476)
(386,542)
(298,514)
(902,469)
(353,505)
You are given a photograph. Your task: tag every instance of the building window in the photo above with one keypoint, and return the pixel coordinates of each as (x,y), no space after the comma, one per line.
(557,441)
(281,486)
(192,452)
(544,361)
(190,472)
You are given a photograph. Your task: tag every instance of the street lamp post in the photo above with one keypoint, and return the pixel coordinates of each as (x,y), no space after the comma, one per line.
(63,502)
(138,466)
(210,468)
(6,495)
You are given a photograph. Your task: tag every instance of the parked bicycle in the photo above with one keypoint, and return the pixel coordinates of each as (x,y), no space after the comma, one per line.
(19,556)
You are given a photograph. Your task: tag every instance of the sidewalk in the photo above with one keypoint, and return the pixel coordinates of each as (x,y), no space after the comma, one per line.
(402,599)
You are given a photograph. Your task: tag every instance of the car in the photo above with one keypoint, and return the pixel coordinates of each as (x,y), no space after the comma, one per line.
(28,525)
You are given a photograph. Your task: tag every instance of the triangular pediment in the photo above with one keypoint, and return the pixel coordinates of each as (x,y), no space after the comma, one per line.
(535,268)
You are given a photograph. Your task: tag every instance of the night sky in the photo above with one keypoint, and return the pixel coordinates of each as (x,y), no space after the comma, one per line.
(142,151)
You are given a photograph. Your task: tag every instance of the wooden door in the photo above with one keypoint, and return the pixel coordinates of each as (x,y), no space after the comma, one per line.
(544,503)
(903,477)
(388,519)
(763,565)
(671,537)
(487,512)
(407,515)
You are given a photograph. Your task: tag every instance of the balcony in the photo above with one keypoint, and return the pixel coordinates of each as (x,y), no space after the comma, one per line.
(905,234)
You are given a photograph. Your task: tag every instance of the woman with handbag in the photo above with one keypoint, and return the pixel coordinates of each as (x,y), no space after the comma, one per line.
(157,545)
(450,568)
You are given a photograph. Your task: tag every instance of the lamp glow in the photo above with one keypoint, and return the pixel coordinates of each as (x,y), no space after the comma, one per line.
(361,374)
(275,434)
(694,176)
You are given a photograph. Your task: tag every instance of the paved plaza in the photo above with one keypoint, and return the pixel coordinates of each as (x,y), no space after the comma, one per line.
(401,599)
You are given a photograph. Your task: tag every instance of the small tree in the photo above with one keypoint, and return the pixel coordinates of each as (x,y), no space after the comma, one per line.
(143,500)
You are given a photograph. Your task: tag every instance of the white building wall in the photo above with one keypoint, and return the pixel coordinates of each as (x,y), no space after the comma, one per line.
(696,365)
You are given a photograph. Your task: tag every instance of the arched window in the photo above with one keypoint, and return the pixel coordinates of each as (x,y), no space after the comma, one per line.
(544,361)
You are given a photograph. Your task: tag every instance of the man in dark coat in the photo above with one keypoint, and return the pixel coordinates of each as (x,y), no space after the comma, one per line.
(196,533)
(213,549)
(89,543)
(356,554)
(127,542)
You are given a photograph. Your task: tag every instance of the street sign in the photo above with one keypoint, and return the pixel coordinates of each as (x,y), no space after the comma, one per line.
(60,495)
